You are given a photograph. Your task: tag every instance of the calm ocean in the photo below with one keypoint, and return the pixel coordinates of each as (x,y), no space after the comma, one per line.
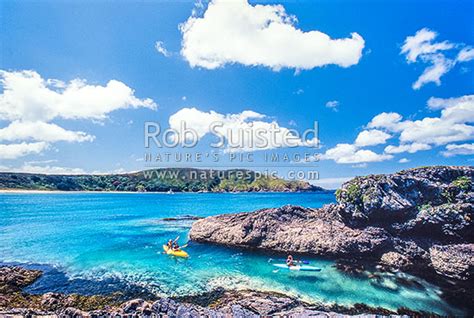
(98,243)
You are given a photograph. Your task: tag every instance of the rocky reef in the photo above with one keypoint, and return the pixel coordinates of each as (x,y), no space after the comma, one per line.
(218,303)
(418,220)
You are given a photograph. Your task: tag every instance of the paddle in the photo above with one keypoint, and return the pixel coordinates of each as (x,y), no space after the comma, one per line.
(294,261)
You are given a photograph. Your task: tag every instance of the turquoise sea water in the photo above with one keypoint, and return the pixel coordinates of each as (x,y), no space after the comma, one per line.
(118,237)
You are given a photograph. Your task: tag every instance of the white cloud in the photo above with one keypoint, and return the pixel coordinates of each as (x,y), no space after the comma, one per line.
(453,125)
(348,153)
(410,148)
(436,131)
(403,160)
(422,48)
(420,44)
(41,131)
(160,47)
(466,54)
(353,154)
(50,169)
(440,66)
(333,104)
(454,110)
(331,183)
(30,103)
(360,165)
(454,150)
(389,121)
(28,97)
(32,167)
(248,127)
(261,35)
(371,138)
(13,151)
(43,167)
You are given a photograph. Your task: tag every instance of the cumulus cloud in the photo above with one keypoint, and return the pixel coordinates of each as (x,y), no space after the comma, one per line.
(389,121)
(410,148)
(348,153)
(19,130)
(261,35)
(27,96)
(403,160)
(422,48)
(462,149)
(371,138)
(30,103)
(13,151)
(245,131)
(345,153)
(453,125)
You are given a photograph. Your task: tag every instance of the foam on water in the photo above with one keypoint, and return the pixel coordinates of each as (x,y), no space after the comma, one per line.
(115,238)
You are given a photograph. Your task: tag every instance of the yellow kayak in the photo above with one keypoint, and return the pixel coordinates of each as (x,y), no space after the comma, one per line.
(178,253)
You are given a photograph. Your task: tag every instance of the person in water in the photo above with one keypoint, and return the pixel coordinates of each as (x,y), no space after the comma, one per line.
(290,261)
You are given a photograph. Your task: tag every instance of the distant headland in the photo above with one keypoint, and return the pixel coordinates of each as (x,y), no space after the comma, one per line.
(156,180)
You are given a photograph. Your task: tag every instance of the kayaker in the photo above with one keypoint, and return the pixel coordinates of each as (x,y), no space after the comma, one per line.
(290,261)
(170,244)
(176,246)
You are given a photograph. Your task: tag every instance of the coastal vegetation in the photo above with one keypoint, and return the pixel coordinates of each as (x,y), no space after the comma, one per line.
(158,180)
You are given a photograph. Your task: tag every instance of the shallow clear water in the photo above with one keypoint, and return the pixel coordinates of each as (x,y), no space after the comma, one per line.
(116,237)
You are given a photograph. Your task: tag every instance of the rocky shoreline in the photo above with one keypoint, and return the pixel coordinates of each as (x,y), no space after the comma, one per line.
(218,303)
(418,221)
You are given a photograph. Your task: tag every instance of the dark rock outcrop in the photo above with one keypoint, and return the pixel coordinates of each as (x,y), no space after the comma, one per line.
(414,220)
(398,197)
(14,278)
(291,228)
(454,261)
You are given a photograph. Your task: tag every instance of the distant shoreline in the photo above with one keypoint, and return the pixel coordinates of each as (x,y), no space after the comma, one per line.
(59,191)
(24,191)
(164,180)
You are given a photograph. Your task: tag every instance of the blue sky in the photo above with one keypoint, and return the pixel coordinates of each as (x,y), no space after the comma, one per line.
(103,41)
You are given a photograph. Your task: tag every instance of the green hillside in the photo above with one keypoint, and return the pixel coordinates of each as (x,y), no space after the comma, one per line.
(158,180)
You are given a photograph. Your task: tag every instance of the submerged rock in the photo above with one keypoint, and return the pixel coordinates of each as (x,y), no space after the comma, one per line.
(182,218)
